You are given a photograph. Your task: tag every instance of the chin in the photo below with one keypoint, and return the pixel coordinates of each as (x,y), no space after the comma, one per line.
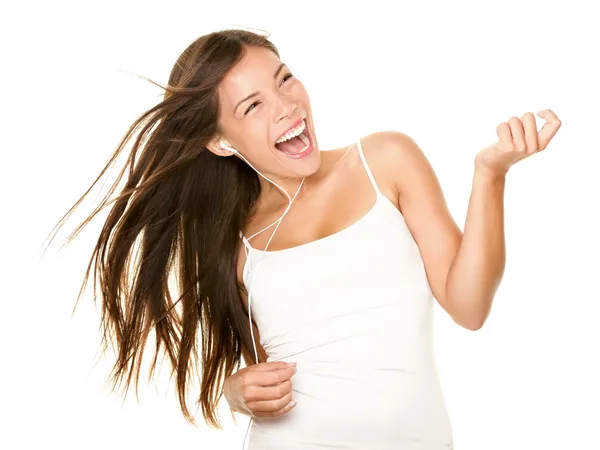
(310,165)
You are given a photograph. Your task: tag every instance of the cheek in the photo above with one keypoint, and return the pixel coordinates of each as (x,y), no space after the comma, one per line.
(256,134)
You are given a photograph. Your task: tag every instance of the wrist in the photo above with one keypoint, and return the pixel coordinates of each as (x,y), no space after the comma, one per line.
(488,174)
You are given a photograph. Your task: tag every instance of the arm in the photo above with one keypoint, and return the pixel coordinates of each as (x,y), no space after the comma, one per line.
(463,271)
(478,267)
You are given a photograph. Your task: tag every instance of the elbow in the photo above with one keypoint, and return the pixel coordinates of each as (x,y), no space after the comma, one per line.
(474,326)
(470,317)
(468,323)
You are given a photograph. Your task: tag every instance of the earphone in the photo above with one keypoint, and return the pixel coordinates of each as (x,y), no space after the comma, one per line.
(226,146)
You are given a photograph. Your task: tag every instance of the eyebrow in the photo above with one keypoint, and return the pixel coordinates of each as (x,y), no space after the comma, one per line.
(254,94)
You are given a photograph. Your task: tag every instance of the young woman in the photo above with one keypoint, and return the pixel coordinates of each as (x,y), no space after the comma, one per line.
(319,268)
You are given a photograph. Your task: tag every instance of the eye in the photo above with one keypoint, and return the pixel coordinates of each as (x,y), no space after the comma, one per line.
(286,77)
(250,108)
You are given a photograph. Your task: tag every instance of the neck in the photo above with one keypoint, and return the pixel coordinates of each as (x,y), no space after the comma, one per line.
(273,196)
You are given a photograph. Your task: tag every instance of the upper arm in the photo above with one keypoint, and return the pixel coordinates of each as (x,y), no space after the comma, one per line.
(423,206)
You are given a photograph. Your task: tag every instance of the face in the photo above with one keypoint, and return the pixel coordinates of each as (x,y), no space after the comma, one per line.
(266,116)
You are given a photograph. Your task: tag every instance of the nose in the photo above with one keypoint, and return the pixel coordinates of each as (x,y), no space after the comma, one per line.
(285,107)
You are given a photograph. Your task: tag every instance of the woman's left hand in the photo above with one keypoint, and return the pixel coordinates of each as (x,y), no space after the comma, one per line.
(519,138)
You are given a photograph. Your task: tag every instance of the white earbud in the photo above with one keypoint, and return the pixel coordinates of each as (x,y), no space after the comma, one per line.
(228,147)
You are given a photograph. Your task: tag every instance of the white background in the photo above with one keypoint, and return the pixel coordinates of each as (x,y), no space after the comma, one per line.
(446,73)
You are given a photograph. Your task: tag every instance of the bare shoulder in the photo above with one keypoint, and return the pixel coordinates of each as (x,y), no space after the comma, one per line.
(385,147)
(394,157)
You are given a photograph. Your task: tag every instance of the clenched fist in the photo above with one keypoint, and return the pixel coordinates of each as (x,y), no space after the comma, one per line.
(518,139)
(261,390)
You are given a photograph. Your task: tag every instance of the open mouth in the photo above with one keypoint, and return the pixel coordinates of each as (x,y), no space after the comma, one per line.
(296,142)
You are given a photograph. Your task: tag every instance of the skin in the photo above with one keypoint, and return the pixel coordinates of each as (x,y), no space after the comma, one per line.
(464,269)
(253,127)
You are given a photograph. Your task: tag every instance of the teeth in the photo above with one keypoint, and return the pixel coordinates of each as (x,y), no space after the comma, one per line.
(306,142)
(295,132)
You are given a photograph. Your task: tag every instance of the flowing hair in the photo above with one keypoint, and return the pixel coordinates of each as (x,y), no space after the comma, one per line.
(179,212)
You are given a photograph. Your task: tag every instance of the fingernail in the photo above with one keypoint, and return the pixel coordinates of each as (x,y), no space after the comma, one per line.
(292,403)
(292,364)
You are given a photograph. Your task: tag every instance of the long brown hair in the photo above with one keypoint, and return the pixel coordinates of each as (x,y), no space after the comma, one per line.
(180,212)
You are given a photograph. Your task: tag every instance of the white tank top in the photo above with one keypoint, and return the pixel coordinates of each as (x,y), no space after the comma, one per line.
(354,311)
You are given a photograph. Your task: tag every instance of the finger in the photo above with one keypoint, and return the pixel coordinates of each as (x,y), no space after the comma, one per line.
(273,408)
(259,406)
(549,129)
(504,134)
(262,377)
(279,412)
(260,393)
(286,408)
(271,378)
(518,134)
(531,134)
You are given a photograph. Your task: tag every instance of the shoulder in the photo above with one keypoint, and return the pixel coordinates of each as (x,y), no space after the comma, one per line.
(390,145)
(394,157)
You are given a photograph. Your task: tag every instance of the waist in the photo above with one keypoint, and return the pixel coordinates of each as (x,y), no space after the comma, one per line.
(352,408)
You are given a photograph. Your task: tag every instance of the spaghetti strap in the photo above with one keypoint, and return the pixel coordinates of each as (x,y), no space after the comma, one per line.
(369,173)
(245,241)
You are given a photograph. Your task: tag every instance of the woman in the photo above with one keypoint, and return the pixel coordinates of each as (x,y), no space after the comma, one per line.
(334,257)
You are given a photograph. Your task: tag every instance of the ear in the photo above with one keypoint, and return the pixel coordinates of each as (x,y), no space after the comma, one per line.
(214,146)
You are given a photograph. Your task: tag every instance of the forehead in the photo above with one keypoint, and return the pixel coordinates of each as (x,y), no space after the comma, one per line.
(255,69)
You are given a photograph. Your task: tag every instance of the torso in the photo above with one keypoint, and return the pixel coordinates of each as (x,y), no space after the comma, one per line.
(343,293)
(340,194)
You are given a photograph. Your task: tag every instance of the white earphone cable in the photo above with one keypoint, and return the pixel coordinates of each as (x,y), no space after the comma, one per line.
(264,252)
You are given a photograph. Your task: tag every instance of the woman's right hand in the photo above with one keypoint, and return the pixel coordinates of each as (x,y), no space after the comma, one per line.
(261,390)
